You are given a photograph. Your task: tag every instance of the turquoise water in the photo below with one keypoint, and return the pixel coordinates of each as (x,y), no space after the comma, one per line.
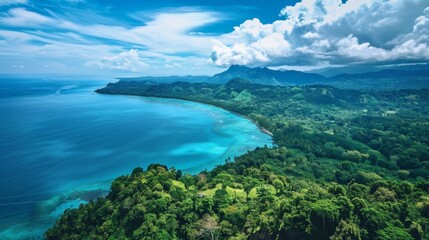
(62,144)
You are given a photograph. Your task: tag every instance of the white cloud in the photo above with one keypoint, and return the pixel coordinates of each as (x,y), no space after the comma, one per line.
(321,12)
(57,49)
(237,54)
(411,50)
(166,32)
(22,17)
(349,47)
(333,31)
(173,65)
(260,44)
(310,35)
(164,38)
(124,61)
(12,2)
(252,30)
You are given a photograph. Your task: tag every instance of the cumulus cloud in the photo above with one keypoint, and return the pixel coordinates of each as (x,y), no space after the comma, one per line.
(124,61)
(332,31)
(259,43)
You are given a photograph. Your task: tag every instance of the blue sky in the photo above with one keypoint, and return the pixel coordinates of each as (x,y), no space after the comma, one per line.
(170,37)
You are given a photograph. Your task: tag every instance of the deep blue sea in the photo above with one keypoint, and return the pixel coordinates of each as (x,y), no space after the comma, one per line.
(61,144)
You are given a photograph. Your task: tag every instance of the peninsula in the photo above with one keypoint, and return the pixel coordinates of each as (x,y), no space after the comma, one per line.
(348,164)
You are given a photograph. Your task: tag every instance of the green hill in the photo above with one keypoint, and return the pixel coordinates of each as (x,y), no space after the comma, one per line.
(347,164)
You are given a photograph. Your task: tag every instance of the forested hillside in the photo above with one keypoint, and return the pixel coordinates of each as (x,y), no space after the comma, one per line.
(347,165)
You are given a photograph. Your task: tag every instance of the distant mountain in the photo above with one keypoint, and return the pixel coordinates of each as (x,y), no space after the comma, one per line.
(267,76)
(388,73)
(400,77)
(362,68)
(262,76)
(389,79)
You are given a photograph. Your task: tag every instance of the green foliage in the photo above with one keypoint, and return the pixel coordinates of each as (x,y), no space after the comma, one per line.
(393,233)
(346,231)
(388,135)
(301,209)
(347,165)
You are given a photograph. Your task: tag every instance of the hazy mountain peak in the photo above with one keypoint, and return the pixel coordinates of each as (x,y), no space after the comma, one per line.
(267,76)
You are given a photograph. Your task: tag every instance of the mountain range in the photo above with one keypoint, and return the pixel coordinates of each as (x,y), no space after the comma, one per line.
(400,77)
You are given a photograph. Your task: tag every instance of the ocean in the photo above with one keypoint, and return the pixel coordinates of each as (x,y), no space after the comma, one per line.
(61,144)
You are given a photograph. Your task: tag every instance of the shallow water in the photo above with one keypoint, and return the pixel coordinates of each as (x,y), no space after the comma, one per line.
(62,144)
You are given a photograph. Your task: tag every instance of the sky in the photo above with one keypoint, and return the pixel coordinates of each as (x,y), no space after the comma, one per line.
(194,37)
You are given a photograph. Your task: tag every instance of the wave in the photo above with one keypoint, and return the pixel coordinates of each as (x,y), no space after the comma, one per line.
(67,87)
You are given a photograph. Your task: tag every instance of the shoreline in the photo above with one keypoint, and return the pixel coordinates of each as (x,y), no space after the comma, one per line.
(260,128)
(92,90)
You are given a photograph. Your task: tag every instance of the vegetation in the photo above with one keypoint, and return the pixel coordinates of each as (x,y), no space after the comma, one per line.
(347,165)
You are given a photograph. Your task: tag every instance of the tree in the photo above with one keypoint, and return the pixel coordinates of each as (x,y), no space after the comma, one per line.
(373,219)
(346,231)
(393,233)
(134,218)
(345,207)
(383,194)
(355,156)
(226,229)
(248,184)
(224,178)
(188,180)
(367,177)
(324,217)
(208,228)
(204,205)
(416,231)
(278,184)
(357,190)
(221,198)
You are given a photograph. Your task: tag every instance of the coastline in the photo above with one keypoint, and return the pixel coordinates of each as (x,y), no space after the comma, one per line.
(260,128)
(53,204)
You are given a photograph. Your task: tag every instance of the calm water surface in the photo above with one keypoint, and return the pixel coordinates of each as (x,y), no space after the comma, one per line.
(62,144)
